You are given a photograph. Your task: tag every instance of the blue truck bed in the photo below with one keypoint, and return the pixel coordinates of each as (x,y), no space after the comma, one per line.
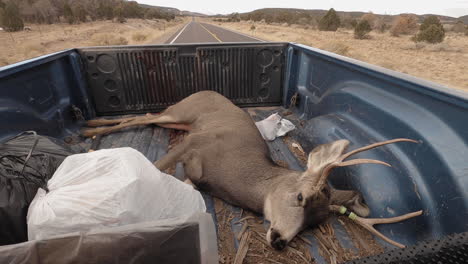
(328,96)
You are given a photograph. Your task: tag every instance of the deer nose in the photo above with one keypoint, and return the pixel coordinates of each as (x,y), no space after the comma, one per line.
(276,241)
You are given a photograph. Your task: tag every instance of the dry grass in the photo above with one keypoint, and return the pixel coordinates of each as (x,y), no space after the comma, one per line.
(106,39)
(445,63)
(139,37)
(44,39)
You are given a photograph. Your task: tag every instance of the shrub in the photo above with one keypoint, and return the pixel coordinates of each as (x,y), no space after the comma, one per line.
(432,34)
(234,17)
(10,19)
(118,13)
(329,22)
(430,20)
(459,27)
(252,28)
(431,31)
(139,37)
(404,24)
(104,10)
(466,31)
(80,13)
(370,18)
(68,14)
(362,29)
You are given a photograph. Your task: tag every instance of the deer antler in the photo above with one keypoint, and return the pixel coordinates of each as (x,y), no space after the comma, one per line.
(339,162)
(368,223)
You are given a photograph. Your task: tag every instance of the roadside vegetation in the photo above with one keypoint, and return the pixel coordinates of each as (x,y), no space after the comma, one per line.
(30,28)
(15,13)
(429,47)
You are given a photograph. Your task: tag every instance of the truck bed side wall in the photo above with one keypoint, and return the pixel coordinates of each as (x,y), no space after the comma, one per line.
(41,94)
(344,98)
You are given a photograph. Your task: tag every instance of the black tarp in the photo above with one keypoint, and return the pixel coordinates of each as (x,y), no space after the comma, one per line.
(27,161)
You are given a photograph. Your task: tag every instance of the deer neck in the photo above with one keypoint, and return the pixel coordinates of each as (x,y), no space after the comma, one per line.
(272,181)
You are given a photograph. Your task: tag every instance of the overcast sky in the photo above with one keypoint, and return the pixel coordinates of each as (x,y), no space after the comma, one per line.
(454,8)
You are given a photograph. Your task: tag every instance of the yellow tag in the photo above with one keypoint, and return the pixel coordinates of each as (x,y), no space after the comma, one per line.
(343,210)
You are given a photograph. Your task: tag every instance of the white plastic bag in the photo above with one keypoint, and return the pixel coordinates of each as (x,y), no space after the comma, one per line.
(106,188)
(274,126)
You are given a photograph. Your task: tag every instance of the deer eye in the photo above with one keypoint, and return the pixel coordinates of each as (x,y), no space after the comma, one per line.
(326,192)
(299,197)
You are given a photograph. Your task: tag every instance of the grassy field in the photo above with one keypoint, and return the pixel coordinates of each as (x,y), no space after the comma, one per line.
(44,39)
(445,63)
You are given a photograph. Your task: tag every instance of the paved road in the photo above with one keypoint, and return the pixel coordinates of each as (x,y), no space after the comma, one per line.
(196,32)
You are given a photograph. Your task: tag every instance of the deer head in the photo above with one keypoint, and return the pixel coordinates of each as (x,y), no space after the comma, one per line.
(305,200)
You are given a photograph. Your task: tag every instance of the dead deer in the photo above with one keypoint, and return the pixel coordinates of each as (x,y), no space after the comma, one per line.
(225,155)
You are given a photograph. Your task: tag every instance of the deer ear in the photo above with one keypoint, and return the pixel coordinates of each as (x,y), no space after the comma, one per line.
(326,154)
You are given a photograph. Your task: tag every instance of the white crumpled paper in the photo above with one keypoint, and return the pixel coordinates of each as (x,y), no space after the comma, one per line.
(274,126)
(107,188)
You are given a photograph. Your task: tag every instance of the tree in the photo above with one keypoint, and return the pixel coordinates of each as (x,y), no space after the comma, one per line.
(431,30)
(362,29)
(404,24)
(234,17)
(68,14)
(105,10)
(80,13)
(132,10)
(370,18)
(329,22)
(47,12)
(430,20)
(119,13)
(10,18)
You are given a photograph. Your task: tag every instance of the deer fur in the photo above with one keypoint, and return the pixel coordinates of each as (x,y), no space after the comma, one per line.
(225,155)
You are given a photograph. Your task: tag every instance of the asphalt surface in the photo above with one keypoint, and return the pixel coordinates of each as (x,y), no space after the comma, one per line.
(196,32)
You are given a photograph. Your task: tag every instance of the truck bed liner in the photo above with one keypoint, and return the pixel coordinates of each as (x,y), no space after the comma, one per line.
(336,241)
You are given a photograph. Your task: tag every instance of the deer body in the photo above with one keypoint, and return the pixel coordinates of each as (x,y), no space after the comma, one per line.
(225,155)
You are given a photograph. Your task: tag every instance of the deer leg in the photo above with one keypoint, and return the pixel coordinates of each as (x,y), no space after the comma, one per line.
(174,156)
(368,223)
(137,121)
(106,122)
(193,168)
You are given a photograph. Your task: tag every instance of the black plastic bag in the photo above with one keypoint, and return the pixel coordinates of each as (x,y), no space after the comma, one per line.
(27,162)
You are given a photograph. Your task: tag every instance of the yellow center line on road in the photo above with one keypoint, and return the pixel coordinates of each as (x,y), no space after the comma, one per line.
(212,34)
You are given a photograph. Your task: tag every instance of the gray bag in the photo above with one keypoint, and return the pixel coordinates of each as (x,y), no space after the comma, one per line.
(192,240)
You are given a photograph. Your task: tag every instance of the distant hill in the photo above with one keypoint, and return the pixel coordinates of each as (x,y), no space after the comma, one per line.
(464,19)
(189,13)
(172,10)
(281,14)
